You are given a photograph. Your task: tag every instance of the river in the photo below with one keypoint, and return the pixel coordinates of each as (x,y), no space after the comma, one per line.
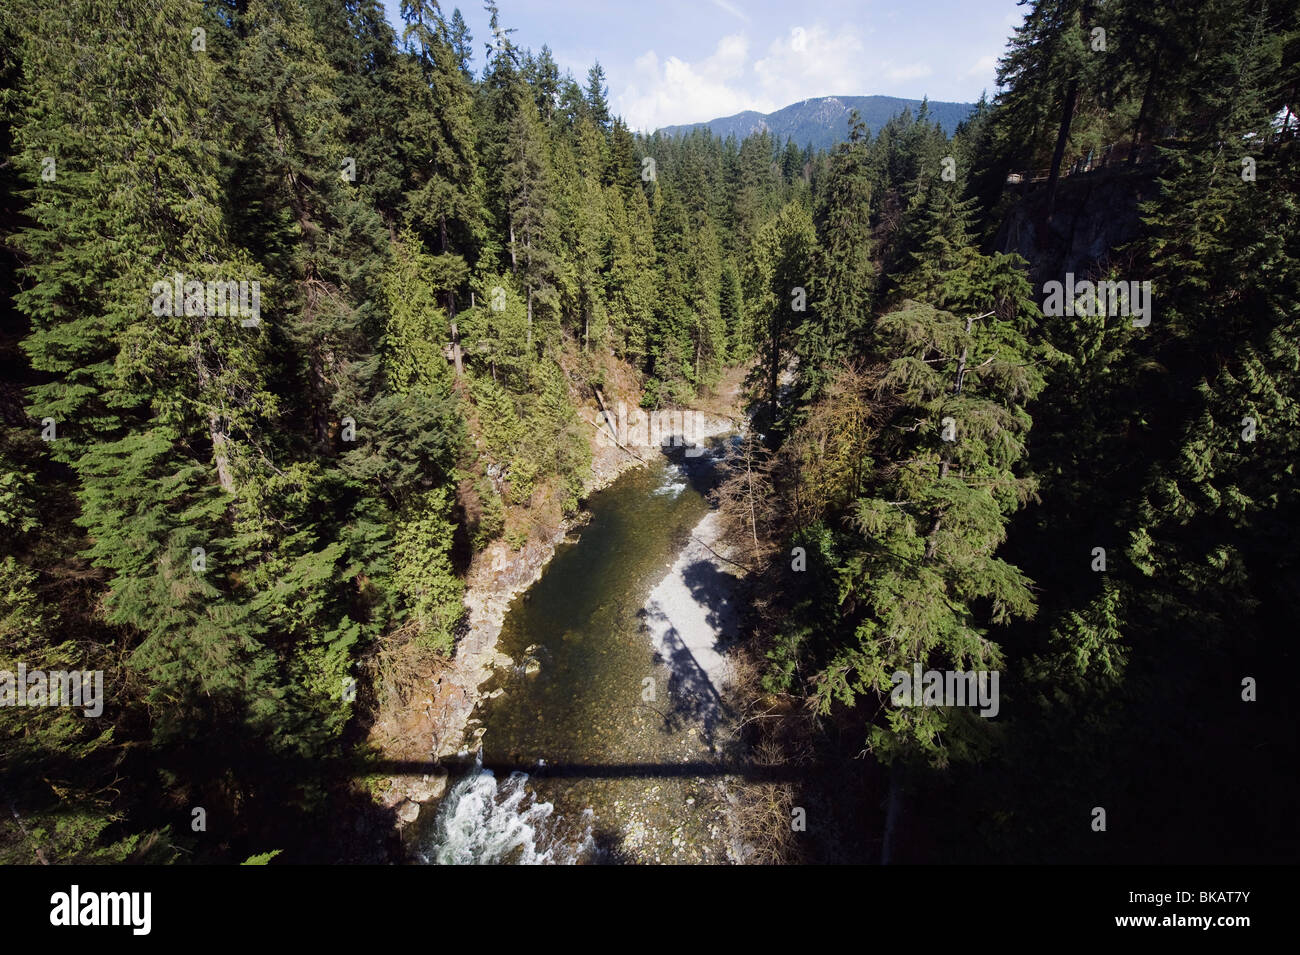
(597,750)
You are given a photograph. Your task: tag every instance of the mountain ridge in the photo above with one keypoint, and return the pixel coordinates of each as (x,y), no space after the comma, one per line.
(822,121)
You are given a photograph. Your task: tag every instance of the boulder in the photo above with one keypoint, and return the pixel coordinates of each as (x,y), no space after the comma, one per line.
(431,787)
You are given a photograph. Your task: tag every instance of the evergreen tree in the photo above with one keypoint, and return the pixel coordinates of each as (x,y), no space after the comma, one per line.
(778,286)
(445,202)
(630,282)
(462,43)
(926,528)
(527,181)
(597,97)
(845,271)
(1049,54)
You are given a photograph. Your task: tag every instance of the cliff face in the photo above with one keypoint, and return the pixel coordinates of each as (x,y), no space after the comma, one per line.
(1096,216)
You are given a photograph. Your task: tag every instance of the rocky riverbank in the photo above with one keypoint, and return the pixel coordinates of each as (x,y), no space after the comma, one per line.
(692,618)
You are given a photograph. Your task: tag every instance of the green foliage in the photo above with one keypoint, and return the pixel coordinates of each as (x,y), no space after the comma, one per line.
(416,324)
(498,421)
(233,517)
(555,440)
(778,286)
(491,519)
(845,272)
(423,573)
(262,858)
(495,331)
(909,574)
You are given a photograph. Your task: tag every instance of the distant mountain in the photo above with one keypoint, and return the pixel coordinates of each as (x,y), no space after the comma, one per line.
(823,121)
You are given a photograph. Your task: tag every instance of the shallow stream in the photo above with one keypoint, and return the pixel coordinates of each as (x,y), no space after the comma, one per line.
(597,750)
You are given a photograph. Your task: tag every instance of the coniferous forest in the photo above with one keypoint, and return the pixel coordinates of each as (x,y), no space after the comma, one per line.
(303,315)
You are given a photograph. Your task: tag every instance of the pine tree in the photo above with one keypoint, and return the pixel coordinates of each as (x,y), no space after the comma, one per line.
(413,350)
(361,49)
(1225,328)
(930,521)
(577,161)
(731,309)
(527,181)
(498,419)
(710,333)
(160,409)
(778,286)
(291,204)
(445,201)
(669,341)
(630,282)
(1047,69)
(845,271)
(543,76)
(597,97)
(462,43)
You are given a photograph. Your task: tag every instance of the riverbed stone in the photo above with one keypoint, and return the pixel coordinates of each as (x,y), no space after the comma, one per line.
(432,786)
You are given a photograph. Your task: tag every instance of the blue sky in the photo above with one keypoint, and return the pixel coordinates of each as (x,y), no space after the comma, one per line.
(684,61)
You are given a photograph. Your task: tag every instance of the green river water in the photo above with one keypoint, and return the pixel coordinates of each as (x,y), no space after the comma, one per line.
(577,765)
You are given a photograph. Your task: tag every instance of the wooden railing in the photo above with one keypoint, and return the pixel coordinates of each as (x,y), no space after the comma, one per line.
(1116,154)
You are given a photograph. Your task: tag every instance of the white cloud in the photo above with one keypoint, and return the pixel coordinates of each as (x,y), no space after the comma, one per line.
(674,91)
(984,66)
(912,71)
(811,61)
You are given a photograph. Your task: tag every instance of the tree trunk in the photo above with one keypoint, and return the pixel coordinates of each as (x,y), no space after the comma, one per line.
(773,372)
(321,363)
(530,316)
(1142,113)
(931,537)
(219,454)
(216,426)
(455,350)
(893,813)
(1062,135)
(456,356)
